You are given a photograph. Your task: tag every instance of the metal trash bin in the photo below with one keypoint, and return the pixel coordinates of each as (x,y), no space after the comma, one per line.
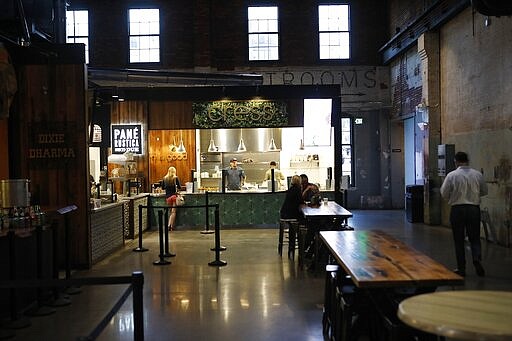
(414,203)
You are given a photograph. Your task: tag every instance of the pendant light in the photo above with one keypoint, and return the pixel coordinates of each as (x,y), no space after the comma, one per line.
(172,146)
(272,145)
(241,145)
(212,147)
(181,147)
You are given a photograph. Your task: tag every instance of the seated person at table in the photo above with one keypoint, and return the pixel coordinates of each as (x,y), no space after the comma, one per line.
(293,201)
(308,189)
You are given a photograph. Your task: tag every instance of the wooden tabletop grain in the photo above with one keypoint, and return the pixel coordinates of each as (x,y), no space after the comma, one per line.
(376,259)
(464,315)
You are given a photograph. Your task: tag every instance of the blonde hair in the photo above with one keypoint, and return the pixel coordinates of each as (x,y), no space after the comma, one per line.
(295,180)
(171,174)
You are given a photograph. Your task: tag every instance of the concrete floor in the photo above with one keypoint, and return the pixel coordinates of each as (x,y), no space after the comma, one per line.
(257,296)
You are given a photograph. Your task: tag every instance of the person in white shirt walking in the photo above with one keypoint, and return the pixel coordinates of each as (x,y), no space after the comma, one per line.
(463,188)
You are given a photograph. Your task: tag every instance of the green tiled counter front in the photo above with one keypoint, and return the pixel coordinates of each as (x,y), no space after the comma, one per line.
(236,209)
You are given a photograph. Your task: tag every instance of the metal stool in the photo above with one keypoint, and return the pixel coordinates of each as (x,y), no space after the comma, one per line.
(287,226)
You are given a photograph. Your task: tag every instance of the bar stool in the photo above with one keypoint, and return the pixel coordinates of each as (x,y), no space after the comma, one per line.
(289,227)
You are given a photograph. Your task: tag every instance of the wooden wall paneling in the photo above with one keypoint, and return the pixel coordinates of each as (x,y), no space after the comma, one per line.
(52,99)
(170,115)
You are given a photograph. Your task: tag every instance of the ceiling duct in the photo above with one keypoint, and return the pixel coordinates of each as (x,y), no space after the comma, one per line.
(106,77)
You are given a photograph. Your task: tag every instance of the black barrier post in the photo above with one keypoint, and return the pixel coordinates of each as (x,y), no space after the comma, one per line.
(217,232)
(16,321)
(140,248)
(161,261)
(67,242)
(217,261)
(166,235)
(272,170)
(207,215)
(39,309)
(59,299)
(138,306)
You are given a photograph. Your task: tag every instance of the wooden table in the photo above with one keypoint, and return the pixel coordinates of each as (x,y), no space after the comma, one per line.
(382,267)
(326,216)
(330,209)
(466,315)
(375,259)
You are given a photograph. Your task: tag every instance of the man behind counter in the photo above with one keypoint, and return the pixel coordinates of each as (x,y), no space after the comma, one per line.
(235,175)
(278,175)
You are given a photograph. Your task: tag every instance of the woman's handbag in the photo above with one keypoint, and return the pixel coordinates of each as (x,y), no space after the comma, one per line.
(180,200)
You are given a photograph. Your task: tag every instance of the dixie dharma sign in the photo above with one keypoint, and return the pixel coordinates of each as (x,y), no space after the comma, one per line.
(126,138)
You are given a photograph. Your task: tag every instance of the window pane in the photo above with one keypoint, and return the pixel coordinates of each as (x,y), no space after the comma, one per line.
(144,26)
(263,27)
(334,36)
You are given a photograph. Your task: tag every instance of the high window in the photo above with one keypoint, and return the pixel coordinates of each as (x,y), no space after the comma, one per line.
(334,31)
(144,30)
(346,146)
(263,33)
(77,29)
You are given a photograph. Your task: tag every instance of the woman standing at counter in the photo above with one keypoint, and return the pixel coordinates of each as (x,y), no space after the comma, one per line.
(171,183)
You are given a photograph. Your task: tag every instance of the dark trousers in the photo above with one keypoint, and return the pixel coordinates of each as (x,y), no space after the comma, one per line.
(465,219)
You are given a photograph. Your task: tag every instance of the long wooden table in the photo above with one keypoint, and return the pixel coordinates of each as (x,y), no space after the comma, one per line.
(375,259)
(328,215)
(381,266)
(464,315)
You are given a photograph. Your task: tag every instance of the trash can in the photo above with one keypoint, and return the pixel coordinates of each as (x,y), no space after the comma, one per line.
(414,203)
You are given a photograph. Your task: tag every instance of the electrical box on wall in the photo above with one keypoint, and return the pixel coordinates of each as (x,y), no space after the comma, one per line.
(445,159)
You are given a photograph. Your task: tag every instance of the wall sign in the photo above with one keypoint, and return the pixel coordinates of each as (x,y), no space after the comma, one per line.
(52,142)
(126,138)
(238,114)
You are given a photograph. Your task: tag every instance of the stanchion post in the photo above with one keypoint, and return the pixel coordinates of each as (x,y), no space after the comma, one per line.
(59,299)
(217,261)
(167,253)
(161,261)
(140,248)
(16,322)
(138,306)
(207,215)
(39,309)
(67,238)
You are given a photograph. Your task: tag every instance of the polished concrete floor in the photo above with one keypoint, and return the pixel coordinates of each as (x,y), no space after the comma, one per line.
(256,296)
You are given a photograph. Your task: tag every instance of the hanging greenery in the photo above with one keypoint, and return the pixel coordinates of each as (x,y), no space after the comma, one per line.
(239,114)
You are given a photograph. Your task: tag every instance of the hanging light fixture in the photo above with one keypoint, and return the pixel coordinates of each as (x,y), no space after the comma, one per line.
(172,146)
(181,147)
(241,145)
(212,147)
(272,145)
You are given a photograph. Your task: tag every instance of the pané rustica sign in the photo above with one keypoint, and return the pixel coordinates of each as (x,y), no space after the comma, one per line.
(126,138)
(234,114)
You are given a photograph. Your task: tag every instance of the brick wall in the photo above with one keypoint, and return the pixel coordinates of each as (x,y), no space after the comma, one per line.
(213,34)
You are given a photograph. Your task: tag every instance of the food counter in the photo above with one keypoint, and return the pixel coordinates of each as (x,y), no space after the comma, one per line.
(107,229)
(245,208)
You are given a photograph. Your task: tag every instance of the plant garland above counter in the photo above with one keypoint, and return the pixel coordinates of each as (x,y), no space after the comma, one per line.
(240,114)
